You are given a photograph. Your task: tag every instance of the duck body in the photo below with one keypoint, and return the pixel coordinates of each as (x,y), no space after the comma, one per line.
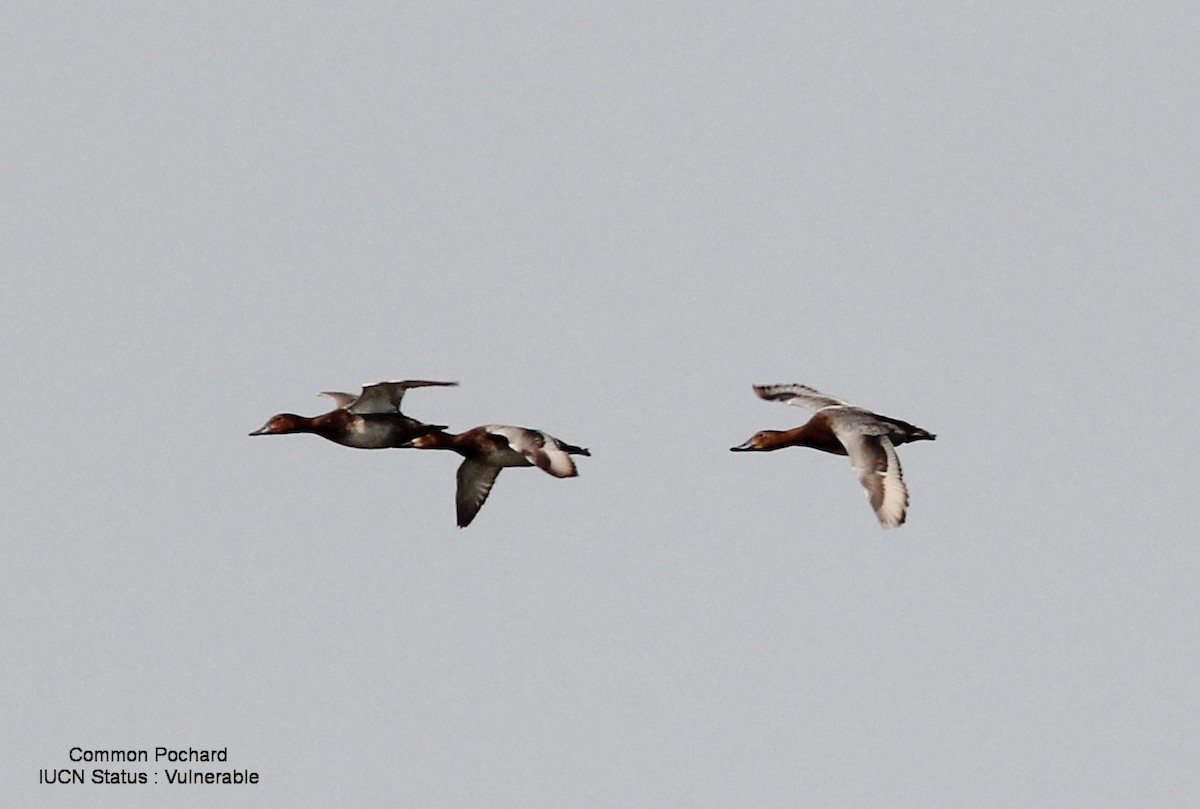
(488,449)
(836,427)
(360,431)
(821,431)
(371,420)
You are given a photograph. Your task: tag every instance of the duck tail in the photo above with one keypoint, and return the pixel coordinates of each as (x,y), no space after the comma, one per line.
(571,449)
(917,434)
(902,432)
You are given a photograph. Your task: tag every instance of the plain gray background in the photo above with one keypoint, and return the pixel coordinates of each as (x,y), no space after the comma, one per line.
(607,221)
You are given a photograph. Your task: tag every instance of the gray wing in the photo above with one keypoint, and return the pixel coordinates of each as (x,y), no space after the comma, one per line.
(798,395)
(340,400)
(878,469)
(474,484)
(385,397)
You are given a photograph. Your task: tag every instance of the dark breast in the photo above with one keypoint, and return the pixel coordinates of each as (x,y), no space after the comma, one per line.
(818,434)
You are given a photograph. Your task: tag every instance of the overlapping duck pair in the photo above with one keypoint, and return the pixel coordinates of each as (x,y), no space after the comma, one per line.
(372,420)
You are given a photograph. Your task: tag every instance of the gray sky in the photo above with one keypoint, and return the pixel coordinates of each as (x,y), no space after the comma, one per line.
(607,222)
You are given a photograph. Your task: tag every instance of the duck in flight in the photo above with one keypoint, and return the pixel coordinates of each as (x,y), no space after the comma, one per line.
(488,449)
(370,420)
(837,427)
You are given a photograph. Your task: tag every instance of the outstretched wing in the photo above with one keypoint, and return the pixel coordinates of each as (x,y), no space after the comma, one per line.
(385,397)
(798,395)
(340,400)
(474,484)
(878,469)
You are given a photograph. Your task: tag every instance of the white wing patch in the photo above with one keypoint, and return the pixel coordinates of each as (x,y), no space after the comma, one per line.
(517,437)
(540,449)
(555,460)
